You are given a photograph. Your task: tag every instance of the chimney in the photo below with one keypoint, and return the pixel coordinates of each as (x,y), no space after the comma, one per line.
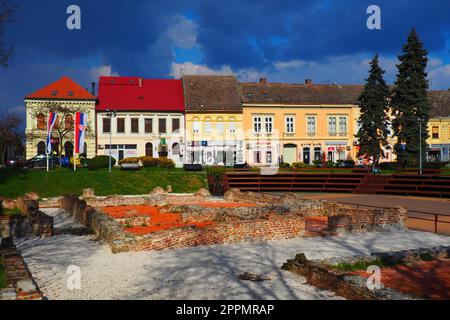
(140,82)
(308,82)
(263,80)
(93,88)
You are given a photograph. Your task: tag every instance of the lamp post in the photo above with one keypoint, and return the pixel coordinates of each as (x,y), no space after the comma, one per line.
(420,120)
(111,114)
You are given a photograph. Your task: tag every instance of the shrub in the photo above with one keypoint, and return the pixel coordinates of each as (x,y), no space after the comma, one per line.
(100,162)
(166,163)
(215,180)
(129,160)
(330,164)
(301,165)
(317,163)
(391,166)
(150,162)
(284,165)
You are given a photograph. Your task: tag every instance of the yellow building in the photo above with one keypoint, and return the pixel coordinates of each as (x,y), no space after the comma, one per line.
(439,126)
(214,120)
(299,122)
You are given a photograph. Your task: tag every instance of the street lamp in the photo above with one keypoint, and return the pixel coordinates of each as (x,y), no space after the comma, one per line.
(420,120)
(111,114)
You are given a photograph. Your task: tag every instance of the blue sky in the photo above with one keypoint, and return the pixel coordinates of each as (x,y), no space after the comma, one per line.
(285,41)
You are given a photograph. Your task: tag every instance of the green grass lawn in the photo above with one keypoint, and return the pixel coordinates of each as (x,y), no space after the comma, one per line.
(2,276)
(59,182)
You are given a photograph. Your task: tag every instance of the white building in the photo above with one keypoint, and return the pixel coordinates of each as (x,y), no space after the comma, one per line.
(148,118)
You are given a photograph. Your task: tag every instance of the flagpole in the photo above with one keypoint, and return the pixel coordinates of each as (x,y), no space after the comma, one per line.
(48,169)
(75,144)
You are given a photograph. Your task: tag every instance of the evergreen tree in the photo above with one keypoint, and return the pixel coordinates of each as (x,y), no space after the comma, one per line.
(373,120)
(410,104)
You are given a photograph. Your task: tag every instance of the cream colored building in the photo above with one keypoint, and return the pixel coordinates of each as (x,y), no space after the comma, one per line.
(64,97)
(214,120)
(299,122)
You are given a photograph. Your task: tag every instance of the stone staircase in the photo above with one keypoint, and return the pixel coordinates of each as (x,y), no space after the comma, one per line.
(372,183)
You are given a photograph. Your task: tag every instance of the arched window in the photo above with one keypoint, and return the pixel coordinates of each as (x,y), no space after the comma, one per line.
(41,122)
(208,125)
(68,149)
(232,125)
(149,150)
(41,148)
(68,122)
(176,149)
(220,125)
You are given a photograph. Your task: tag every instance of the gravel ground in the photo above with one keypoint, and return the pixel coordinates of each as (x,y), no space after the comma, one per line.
(194,273)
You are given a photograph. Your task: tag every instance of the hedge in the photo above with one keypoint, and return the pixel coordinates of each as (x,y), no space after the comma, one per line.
(100,162)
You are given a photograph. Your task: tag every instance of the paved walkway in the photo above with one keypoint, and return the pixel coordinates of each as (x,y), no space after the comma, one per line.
(414,205)
(441,206)
(210,272)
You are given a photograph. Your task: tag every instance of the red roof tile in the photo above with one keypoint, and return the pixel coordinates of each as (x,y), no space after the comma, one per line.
(138,94)
(63,89)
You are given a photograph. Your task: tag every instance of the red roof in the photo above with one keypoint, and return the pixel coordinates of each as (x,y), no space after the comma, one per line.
(138,94)
(63,89)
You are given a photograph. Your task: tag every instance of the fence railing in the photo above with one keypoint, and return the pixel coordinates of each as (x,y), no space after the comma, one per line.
(435,216)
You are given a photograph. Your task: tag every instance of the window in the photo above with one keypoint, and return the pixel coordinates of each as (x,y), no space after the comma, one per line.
(257,128)
(269,157)
(220,126)
(311,125)
(149,149)
(68,122)
(175,125)
(196,126)
(41,148)
(148,125)
(269,124)
(435,132)
(257,157)
(343,126)
(120,125)
(317,154)
(176,149)
(332,126)
(208,126)
(106,125)
(290,124)
(41,122)
(162,125)
(134,125)
(232,125)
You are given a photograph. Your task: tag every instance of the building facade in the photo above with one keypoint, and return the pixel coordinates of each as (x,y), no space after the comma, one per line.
(65,98)
(214,119)
(299,122)
(148,120)
(439,127)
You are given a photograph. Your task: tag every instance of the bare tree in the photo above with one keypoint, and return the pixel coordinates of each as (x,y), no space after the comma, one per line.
(10,134)
(6,11)
(65,123)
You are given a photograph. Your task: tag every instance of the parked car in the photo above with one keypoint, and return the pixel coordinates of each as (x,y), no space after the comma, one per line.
(40,162)
(15,162)
(350,164)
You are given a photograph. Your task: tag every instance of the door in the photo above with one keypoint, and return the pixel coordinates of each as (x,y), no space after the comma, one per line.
(120,155)
(307,156)
(290,153)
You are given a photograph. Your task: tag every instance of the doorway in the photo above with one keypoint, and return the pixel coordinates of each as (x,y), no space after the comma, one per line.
(290,153)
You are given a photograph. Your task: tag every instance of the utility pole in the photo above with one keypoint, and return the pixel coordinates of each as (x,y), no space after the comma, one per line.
(111,114)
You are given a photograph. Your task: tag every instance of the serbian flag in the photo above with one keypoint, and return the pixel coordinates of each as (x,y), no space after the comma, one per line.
(50,125)
(80,129)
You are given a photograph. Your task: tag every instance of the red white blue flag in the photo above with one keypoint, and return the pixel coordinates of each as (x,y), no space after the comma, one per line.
(51,123)
(80,129)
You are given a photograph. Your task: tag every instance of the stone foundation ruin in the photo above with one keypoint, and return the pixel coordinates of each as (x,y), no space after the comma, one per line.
(203,220)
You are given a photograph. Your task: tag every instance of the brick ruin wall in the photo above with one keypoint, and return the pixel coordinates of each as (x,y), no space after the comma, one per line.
(33,223)
(272,217)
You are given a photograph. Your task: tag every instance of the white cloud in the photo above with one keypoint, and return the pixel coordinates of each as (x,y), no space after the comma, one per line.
(183,33)
(179,69)
(102,71)
(439,74)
